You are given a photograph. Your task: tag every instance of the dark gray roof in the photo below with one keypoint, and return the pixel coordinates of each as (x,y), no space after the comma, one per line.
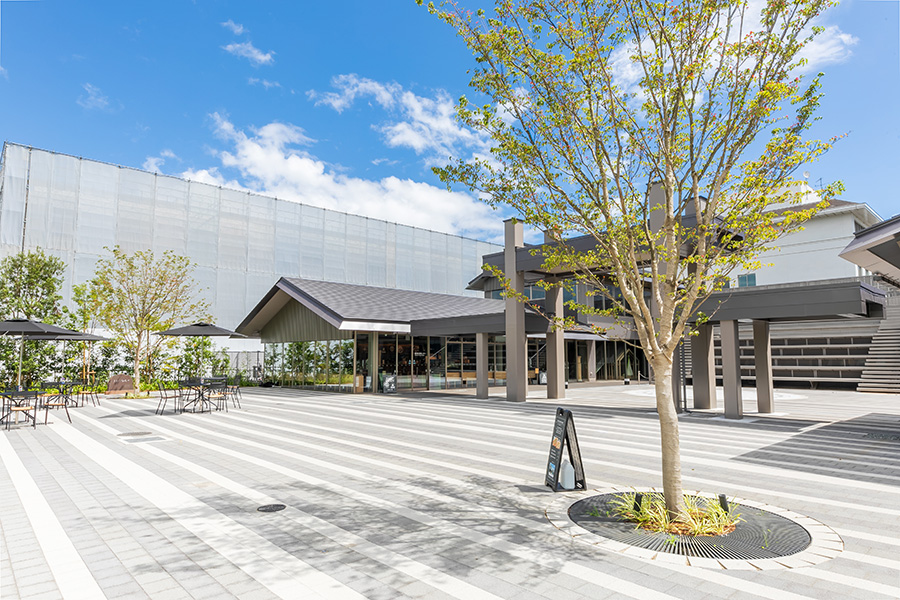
(877,249)
(351,302)
(812,300)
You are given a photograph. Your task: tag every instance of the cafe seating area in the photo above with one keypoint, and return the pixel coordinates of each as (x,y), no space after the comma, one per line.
(200,394)
(23,407)
(22,400)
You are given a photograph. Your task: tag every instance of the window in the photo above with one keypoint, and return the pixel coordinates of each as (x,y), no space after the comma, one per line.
(747,280)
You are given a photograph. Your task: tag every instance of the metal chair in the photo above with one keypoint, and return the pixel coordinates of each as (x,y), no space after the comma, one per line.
(28,403)
(56,401)
(165,395)
(86,392)
(233,391)
(216,393)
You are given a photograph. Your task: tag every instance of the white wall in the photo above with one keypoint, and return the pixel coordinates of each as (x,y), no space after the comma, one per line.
(811,254)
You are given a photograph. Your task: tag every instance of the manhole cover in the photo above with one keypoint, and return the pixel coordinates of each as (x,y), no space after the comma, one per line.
(271,508)
(760,534)
(135,433)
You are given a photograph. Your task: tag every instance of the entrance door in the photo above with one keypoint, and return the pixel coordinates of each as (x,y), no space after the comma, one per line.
(387,359)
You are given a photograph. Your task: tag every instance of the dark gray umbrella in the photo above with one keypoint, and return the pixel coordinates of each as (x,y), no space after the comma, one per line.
(201,329)
(75,336)
(27,329)
(198,329)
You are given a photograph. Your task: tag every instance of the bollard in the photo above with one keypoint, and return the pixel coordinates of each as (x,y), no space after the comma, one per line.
(638,500)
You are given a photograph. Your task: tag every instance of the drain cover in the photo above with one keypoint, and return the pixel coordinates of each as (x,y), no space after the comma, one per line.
(271,508)
(760,534)
(135,433)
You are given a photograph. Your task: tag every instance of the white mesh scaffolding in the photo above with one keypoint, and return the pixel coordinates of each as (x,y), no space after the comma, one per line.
(242,242)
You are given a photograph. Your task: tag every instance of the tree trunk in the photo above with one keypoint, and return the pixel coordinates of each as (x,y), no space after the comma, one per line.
(669,440)
(136,375)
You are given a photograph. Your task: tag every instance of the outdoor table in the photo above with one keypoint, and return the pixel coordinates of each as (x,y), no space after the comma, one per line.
(199,387)
(16,398)
(64,387)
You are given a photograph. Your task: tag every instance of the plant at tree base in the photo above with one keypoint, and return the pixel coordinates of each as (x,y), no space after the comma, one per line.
(701,516)
(137,294)
(665,131)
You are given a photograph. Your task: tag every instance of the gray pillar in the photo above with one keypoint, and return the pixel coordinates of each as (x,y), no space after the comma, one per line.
(762,356)
(481,365)
(677,378)
(703,367)
(592,360)
(372,365)
(516,342)
(731,369)
(556,348)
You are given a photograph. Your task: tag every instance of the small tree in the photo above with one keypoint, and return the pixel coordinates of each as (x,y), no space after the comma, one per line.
(137,294)
(29,288)
(657,128)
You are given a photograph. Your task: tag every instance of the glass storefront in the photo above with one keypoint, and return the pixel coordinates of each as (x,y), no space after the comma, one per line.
(435,363)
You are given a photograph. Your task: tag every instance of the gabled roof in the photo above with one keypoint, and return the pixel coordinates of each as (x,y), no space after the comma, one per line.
(877,249)
(349,307)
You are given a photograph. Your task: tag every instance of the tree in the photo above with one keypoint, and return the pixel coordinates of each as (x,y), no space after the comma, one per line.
(137,294)
(29,288)
(667,131)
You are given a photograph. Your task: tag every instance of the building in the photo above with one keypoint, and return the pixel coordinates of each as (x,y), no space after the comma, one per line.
(242,242)
(813,253)
(367,305)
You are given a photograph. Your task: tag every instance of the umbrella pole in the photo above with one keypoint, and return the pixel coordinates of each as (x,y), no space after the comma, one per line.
(21,350)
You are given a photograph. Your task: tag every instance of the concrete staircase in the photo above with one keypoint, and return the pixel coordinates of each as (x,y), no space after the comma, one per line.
(882,370)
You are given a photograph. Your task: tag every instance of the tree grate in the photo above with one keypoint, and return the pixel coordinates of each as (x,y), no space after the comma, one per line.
(271,508)
(760,534)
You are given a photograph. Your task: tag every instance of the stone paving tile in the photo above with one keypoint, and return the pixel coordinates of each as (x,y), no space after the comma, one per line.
(108,522)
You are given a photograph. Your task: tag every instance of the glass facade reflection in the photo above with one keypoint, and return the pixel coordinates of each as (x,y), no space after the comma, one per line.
(364,363)
(242,242)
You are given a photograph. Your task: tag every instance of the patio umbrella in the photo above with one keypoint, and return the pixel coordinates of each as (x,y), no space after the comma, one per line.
(25,328)
(75,336)
(198,329)
(201,329)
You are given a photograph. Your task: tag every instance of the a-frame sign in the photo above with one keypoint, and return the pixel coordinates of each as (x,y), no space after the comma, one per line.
(564,435)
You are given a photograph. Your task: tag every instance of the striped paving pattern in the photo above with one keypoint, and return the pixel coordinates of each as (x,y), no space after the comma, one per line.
(428,496)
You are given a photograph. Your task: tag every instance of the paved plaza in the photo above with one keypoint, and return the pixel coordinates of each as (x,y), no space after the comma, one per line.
(424,496)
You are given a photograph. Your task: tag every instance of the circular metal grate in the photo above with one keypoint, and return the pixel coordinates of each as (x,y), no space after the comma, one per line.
(271,508)
(760,533)
(135,433)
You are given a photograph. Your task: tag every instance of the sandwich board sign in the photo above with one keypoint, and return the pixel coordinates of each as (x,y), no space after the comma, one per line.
(564,435)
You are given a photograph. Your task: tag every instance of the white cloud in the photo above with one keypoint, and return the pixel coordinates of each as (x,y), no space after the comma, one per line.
(94,98)
(264,82)
(235,28)
(155,163)
(350,87)
(832,46)
(250,52)
(428,126)
(268,161)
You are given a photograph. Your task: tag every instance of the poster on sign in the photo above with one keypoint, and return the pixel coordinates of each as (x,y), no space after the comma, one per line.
(564,436)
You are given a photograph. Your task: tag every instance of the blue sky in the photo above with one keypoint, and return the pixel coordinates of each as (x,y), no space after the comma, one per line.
(345,105)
